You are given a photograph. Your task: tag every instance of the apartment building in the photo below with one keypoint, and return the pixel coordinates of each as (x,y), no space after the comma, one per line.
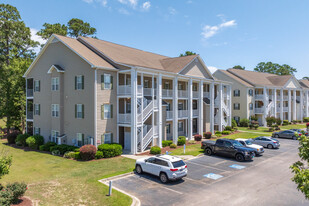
(89,91)
(264,94)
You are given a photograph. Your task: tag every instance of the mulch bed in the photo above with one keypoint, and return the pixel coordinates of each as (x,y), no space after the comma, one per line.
(24,201)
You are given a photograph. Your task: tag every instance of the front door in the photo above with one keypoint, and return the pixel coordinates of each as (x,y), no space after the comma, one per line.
(127,141)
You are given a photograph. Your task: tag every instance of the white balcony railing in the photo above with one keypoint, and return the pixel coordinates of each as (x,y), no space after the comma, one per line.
(259,110)
(182,93)
(169,114)
(147,91)
(167,93)
(124,90)
(124,118)
(259,96)
(139,89)
(182,113)
(285,109)
(285,98)
(195,112)
(195,94)
(206,94)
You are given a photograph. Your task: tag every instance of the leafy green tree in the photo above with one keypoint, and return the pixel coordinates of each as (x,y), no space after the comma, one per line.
(77,27)
(5,163)
(274,68)
(16,55)
(50,29)
(300,168)
(239,67)
(187,53)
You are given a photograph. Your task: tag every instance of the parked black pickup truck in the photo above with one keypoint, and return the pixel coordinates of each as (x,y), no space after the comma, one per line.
(228,147)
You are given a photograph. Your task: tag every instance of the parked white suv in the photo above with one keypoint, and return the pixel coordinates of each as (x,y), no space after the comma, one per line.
(247,143)
(166,167)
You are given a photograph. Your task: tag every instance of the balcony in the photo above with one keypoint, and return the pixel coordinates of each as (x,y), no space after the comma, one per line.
(167,93)
(30,115)
(285,98)
(195,94)
(259,96)
(182,93)
(147,92)
(206,94)
(195,113)
(124,90)
(169,115)
(285,109)
(259,110)
(182,113)
(124,118)
(29,92)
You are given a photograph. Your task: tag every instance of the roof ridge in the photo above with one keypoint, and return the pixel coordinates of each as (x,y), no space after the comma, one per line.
(252,71)
(231,72)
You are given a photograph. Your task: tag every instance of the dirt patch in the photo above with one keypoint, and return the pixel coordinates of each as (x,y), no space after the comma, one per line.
(24,201)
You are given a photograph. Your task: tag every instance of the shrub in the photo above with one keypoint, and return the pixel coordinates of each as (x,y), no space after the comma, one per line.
(234,123)
(181,140)
(278,121)
(219,135)
(110,150)
(232,130)
(155,150)
(173,146)
(253,118)
(191,142)
(207,135)
(31,142)
(166,143)
(251,126)
(306,119)
(46,147)
(69,155)
(226,132)
(197,137)
(271,129)
(87,152)
(294,121)
(307,125)
(285,122)
(35,141)
(244,122)
(21,139)
(18,190)
(298,121)
(256,126)
(12,137)
(228,128)
(6,197)
(218,132)
(99,155)
(235,129)
(277,128)
(63,148)
(270,121)
(77,156)
(56,152)
(76,150)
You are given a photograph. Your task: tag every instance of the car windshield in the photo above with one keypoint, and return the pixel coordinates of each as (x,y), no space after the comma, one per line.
(179,163)
(248,142)
(237,144)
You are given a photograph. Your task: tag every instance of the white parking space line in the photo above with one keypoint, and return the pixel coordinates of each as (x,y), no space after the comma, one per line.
(207,166)
(198,181)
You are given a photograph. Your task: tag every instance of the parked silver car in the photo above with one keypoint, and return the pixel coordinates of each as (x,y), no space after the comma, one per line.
(166,167)
(268,142)
(287,134)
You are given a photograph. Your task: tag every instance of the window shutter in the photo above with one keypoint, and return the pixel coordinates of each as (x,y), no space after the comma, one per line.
(234,94)
(39,85)
(75,82)
(111,111)
(112,82)
(102,81)
(75,110)
(39,113)
(83,111)
(102,111)
(83,82)
(83,139)
(112,138)
(39,131)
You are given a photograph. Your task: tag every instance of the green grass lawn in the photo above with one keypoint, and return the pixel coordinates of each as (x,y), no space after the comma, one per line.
(294,126)
(260,129)
(246,135)
(58,181)
(193,149)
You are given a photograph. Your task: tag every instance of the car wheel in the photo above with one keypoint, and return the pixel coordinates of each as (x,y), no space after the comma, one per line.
(138,169)
(294,138)
(240,158)
(208,151)
(163,178)
(276,136)
(270,146)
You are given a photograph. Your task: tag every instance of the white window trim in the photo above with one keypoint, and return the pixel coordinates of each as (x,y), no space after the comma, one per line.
(79,107)
(105,142)
(55,110)
(110,112)
(55,84)
(36,84)
(110,81)
(79,81)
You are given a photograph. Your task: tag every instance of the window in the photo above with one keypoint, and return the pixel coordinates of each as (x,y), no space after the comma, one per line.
(236,118)
(54,136)
(194,106)
(194,87)
(219,142)
(166,85)
(168,128)
(236,106)
(37,109)
(37,86)
(180,86)
(37,131)
(80,139)
(250,106)
(107,111)
(55,84)
(180,106)
(227,144)
(79,111)
(179,163)
(106,81)
(55,110)
(146,83)
(237,93)
(79,82)
(250,92)
(107,138)
(161,162)
(168,108)
(180,126)
(128,107)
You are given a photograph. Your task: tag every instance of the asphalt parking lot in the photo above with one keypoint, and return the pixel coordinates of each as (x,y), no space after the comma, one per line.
(215,180)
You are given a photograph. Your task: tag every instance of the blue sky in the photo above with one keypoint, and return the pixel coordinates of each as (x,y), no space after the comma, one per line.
(224,32)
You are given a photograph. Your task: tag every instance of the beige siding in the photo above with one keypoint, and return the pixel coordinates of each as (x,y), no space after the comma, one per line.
(57,53)
(196,69)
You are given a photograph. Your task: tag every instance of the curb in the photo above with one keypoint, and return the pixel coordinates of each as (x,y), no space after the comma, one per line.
(135,200)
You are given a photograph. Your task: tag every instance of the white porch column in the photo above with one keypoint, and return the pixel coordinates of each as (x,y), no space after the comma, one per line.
(306,103)
(190,126)
(220,107)
(275,102)
(294,105)
(301,106)
(200,108)
(133,111)
(142,113)
(160,126)
(265,101)
(229,93)
(281,104)
(175,110)
(289,105)
(212,107)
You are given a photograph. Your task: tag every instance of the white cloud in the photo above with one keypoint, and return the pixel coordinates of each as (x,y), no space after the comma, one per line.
(209,31)
(123,11)
(172,11)
(88,1)
(37,38)
(212,69)
(132,3)
(146,5)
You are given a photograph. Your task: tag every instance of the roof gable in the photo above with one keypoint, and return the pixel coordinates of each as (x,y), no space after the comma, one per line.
(292,83)
(234,77)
